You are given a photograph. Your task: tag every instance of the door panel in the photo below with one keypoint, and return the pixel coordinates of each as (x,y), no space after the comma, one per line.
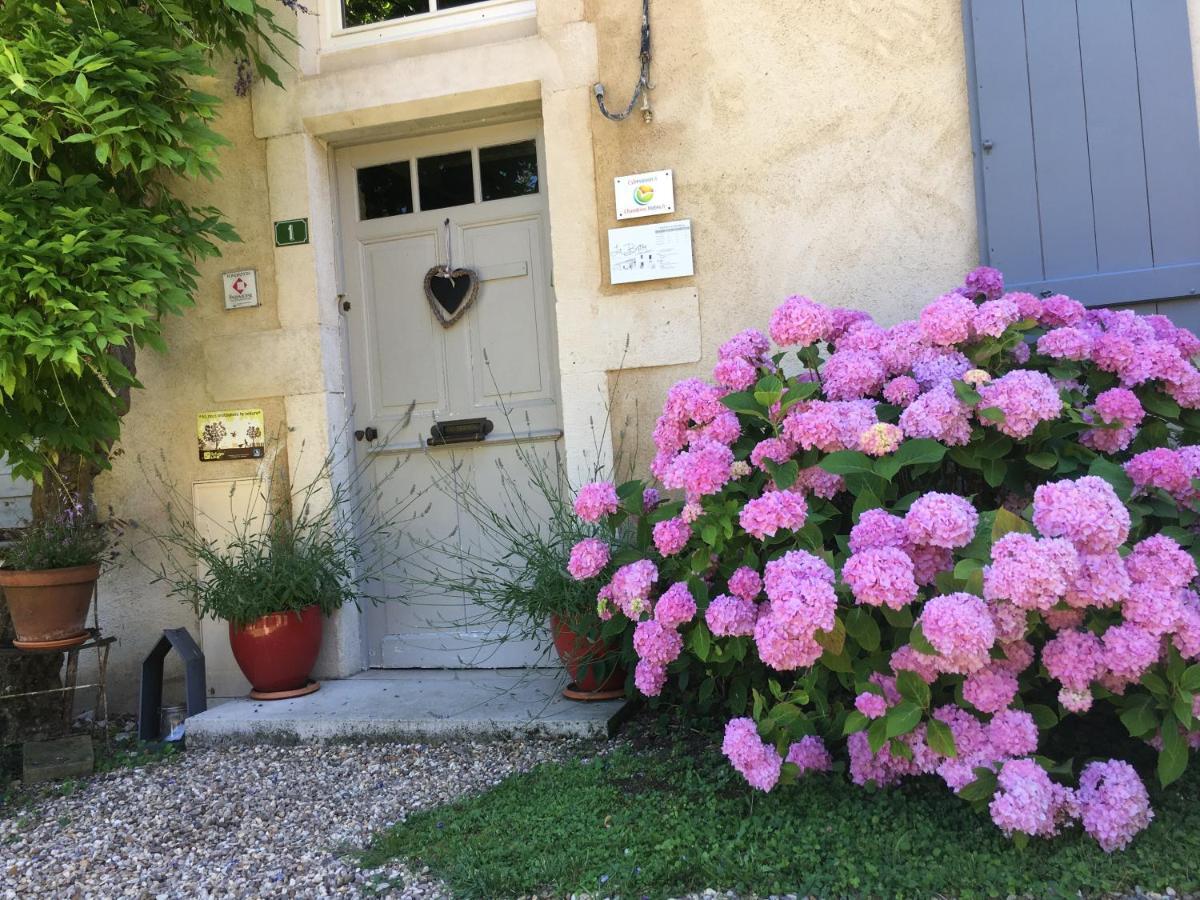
(497,361)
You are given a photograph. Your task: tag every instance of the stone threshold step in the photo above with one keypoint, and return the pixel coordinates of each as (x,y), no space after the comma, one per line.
(412,704)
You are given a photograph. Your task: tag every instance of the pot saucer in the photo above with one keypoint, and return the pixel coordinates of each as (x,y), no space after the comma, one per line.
(61,644)
(571,692)
(309,688)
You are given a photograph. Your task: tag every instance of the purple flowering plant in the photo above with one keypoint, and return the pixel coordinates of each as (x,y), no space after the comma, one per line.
(960,546)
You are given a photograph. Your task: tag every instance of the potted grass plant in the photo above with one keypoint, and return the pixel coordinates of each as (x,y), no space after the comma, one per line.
(48,575)
(291,557)
(515,574)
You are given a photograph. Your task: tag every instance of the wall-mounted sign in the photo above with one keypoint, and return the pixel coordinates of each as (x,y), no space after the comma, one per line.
(241,289)
(650,252)
(648,194)
(290,232)
(230,434)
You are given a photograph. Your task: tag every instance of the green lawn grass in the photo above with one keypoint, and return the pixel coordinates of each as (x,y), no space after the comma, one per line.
(664,822)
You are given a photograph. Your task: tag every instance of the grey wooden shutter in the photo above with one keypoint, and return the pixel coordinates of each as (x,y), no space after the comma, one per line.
(1087,146)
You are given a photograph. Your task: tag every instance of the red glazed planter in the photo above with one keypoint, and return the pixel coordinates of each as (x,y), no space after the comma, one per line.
(277,652)
(575,652)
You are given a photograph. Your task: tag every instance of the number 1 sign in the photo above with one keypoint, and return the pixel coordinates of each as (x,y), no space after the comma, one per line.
(290,232)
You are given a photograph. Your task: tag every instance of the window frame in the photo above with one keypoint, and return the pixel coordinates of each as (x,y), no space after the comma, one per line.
(335,37)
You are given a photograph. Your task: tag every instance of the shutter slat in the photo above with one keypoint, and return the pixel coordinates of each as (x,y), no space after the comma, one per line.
(1168,100)
(1009,175)
(1064,186)
(1110,80)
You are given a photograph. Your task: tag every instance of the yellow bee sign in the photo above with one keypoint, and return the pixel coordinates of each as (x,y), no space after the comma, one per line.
(231,434)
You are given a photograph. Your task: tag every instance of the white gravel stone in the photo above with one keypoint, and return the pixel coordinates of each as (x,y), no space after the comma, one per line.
(256,821)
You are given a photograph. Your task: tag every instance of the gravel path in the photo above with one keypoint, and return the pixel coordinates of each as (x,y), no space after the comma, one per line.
(246,822)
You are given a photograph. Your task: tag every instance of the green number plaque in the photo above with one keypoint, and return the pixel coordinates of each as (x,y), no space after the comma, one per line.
(290,232)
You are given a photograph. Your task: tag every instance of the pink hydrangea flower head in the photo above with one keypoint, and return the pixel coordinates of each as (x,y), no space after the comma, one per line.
(1026,397)
(877,528)
(1028,572)
(1028,305)
(1012,732)
(631,586)
(1113,803)
(731,616)
(1020,353)
(939,415)
(1060,310)
(794,565)
(656,642)
(941,520)
(701,471)
(650,499)
(984,281)
(782,648)
(649,677)
(751,345)
(880,439)
(1011,621)
(1154,607)
(671,536)
(852,375)
(1018,656)
(845,320)
(1167,470)
(1028,802)
(994,316)
(777,450)
(829,426)
(990,689)
(936,367)
(881,577)
(862,336)
(960,629)
(675,607)
(809,755)
(596,500)
(947,320)
(604,604)
(588,559)
(1129,651)
(745,583)
(1066,343)
(692,510)
(1187,629)
(757,761)
(816,481)
(1087,512)
(1159,559)
(1074,658)
(800,322)
(929,561)
(901,390)
(900,349)
(736,374)
(907,659)
(773,512)
(873,706)
(1075,701)
(882,768)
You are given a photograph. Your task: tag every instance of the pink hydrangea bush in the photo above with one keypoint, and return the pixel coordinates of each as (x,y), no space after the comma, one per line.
(929,549)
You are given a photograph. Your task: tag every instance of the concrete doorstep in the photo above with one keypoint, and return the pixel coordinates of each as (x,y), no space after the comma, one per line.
(412,704)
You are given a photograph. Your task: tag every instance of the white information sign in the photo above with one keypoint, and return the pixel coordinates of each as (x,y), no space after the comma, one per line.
(648,194)
(650,252)
(241,289)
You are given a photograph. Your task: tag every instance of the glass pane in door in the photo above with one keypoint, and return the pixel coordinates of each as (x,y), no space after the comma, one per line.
(510,170)
(445,180)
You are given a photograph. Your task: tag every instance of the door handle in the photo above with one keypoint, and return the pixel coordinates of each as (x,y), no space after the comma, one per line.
(368,434)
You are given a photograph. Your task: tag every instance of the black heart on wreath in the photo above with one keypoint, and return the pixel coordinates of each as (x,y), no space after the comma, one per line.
(450,293)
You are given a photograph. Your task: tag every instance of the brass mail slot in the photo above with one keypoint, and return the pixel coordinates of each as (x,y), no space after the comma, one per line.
(459,431)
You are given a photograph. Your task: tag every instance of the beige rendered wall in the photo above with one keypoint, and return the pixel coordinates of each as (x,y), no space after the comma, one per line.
(820,148)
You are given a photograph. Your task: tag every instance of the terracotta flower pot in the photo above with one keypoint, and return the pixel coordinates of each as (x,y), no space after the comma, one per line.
(576,652)
(277,652)
(49,607)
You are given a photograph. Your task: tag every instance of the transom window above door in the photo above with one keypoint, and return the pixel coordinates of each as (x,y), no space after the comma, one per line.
(461,178)
(367,12)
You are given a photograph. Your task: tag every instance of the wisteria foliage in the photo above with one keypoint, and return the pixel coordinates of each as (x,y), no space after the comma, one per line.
(937,549)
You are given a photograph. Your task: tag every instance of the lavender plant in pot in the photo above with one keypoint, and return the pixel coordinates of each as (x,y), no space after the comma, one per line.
(49,574)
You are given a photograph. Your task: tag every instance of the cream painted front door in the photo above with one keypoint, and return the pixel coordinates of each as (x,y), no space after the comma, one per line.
(475,199)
